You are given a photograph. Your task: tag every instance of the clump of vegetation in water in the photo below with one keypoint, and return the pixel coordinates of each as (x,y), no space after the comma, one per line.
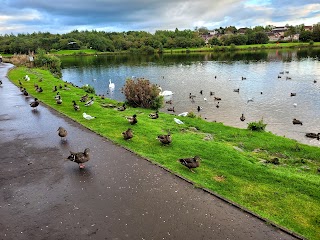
(141,93)
(257,126)
(89,89)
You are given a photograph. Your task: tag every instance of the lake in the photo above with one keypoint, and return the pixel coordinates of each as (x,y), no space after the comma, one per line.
(265,80)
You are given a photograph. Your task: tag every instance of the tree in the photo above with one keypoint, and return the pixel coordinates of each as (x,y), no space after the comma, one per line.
(305,36)
(316,33)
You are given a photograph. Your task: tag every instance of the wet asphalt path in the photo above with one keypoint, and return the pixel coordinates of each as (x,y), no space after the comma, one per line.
(118,196)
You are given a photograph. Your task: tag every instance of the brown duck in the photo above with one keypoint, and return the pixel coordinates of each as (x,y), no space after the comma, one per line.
(80,157)
(128,134)
(34,104)
(62,133)
(165,139)
(190,162)
(132,120)
(296,121)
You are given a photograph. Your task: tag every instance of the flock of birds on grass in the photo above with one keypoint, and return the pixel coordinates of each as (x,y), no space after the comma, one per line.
(82,157)
(242,118)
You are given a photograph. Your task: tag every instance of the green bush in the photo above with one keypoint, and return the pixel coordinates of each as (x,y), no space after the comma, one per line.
(49,62)
(141,93)
(89,89)
(257,126)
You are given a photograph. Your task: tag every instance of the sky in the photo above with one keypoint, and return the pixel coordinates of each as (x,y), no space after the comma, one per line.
(63,16)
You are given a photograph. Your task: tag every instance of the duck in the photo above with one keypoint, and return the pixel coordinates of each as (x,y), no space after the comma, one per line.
(132,120)
(59,100)
(211,93)
(201,92)
(166,93)
(1,82)
(243,78)
(190,162)
(178,121)
(122,108)
(75,106)
(293,94)
(217,98)
(111,84)
(128,134)
(25,93)
(171,109)
(169,102)
(191,96)
(80,157)
(55,89)
(314,81)
(217,106)
(154,115)
(62,133)
(165,139)
(199,108)
(56,97)
(236,90)
(87,116)
(288,78)
(296,121)
(84,98)
(313,135)
(90,102)
(242,118)
(39,90)
(34,104)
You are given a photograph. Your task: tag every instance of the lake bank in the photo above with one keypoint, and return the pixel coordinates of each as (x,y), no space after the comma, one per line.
(234,162)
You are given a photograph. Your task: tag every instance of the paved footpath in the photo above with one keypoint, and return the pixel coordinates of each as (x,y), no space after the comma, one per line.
(118,196)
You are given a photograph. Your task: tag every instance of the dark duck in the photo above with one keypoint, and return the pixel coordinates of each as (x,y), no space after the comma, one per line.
(80,157)
(190,162)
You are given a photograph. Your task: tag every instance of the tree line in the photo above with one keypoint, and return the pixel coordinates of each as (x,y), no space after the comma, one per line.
(141,41)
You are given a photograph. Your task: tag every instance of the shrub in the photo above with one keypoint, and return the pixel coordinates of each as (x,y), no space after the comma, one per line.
(141,93)
(191,115)
(257,126)
(49,62)
(89,89)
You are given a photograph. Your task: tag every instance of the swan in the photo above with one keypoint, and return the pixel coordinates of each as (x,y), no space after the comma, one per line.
(111,84)
(183,114)
(166,93)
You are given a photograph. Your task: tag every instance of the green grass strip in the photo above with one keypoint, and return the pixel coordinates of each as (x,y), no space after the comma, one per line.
(233,163)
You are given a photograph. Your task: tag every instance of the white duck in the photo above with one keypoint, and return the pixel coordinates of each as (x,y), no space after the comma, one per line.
(90,102)
(166,93)
(87,116)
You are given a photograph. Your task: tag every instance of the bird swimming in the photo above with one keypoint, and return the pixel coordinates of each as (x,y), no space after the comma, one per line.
(296,121)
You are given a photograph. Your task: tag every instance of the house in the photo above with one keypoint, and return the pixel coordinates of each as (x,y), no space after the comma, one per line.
(242,30)
(280,30)
(308,28)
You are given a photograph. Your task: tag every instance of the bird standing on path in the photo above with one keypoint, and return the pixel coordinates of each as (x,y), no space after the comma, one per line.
(62,133)
(242,118)
(80,157)
(34,104)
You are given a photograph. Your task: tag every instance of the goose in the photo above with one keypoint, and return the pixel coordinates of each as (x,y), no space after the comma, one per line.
(111,84)
(236,90)
(165,139)
(154,115)
(128,134)
(178,121)
(62,133)
(190,162)
(90,102)
(132,120)
(242,118)
(87,116)
(59,100)
(54,89)
(80,157)
(34,104)
(293,94)
(296,121)
(313,135)
(288,78)
(75,106)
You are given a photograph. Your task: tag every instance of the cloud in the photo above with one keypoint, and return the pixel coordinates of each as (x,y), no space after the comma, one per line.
(60,16)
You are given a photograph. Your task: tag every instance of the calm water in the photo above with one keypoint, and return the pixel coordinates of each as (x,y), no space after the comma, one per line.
(220,73)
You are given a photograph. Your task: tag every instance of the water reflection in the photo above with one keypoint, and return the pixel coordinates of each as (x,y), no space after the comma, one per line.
(266,77)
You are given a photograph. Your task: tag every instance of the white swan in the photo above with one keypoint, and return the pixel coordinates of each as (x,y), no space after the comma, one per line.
(166,93)
(111,84)
(183,114)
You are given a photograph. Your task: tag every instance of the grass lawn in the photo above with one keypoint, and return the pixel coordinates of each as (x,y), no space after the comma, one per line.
(233,163)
